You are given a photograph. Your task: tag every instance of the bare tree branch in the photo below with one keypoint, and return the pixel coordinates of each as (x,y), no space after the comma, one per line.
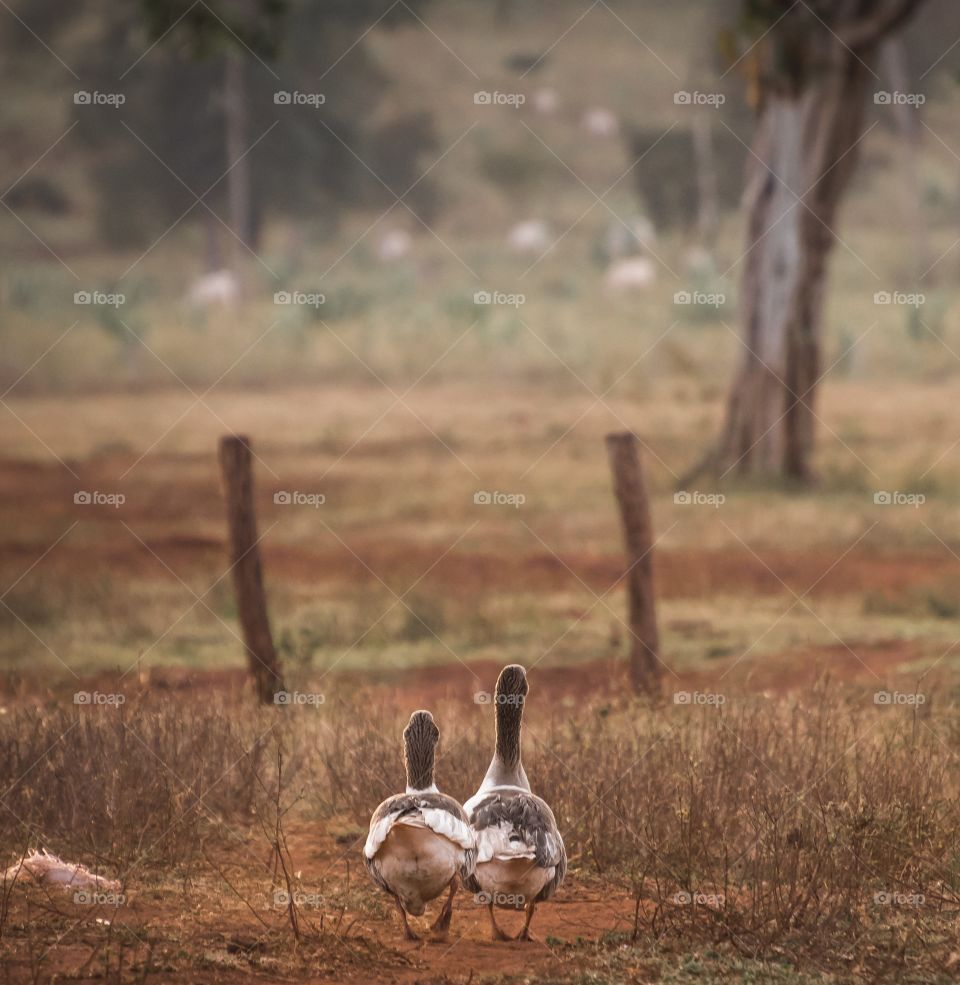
(865,32)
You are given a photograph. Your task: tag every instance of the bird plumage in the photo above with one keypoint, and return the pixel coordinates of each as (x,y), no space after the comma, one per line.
(419,842)
(521,859)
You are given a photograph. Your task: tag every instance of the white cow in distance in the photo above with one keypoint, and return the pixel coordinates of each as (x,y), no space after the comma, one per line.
(629,275)
(546,100)
(394,244)
(220,287)
(600,122)
(531,236)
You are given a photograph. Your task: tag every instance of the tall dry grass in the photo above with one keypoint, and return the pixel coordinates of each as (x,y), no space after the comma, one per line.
(778,826)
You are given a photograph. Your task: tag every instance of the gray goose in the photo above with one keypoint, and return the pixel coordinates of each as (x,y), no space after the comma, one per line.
(419,841)
(521,860)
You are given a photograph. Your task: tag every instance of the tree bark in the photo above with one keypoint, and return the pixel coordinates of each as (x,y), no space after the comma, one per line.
(811,118)
(803,157)
(246,568)
(631,494)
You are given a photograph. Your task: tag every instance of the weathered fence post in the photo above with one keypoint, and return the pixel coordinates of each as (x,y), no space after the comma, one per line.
(631,493)
(245,566)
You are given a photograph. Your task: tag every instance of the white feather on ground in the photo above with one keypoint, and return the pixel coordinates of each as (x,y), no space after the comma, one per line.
(49,868)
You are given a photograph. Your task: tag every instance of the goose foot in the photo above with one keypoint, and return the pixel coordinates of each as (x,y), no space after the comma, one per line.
(441,927)
(407,932)
(525,934)
(495,932)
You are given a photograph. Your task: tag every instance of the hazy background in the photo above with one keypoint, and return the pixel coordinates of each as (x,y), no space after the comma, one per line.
(426,256)
(386,187)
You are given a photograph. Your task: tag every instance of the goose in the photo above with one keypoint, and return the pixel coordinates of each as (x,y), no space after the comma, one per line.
(419,841)
(520,860)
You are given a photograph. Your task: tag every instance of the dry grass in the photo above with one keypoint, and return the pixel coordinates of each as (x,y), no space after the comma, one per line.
(785,819)
(794,808)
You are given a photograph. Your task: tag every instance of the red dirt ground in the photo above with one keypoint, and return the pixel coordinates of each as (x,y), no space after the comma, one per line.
(189,513)
(865,664)
(372,948)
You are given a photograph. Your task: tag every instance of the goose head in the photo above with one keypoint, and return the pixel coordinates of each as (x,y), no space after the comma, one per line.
(509,698)
(420,739)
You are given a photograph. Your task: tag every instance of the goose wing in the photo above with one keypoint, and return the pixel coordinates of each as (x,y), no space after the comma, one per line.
(441,814)
(519,825)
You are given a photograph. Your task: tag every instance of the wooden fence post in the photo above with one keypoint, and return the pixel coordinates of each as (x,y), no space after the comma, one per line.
(631,493)
(245,567)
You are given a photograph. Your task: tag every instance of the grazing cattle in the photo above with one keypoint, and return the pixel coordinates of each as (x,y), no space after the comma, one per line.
(531,237)
(600,122)
(546,101)
(394,244)
(629,275)
(221,287)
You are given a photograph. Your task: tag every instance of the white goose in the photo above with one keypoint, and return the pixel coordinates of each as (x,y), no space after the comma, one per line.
(521,860)
(419,841)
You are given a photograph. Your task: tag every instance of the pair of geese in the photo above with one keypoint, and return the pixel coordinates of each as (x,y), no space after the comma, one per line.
(503,843)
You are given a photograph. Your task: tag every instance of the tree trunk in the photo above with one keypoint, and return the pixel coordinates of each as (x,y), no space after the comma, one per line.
(802,159)
(631,493)
(810,85)
(246,569)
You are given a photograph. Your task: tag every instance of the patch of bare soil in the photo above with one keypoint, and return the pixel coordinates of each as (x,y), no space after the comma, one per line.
(869,664)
